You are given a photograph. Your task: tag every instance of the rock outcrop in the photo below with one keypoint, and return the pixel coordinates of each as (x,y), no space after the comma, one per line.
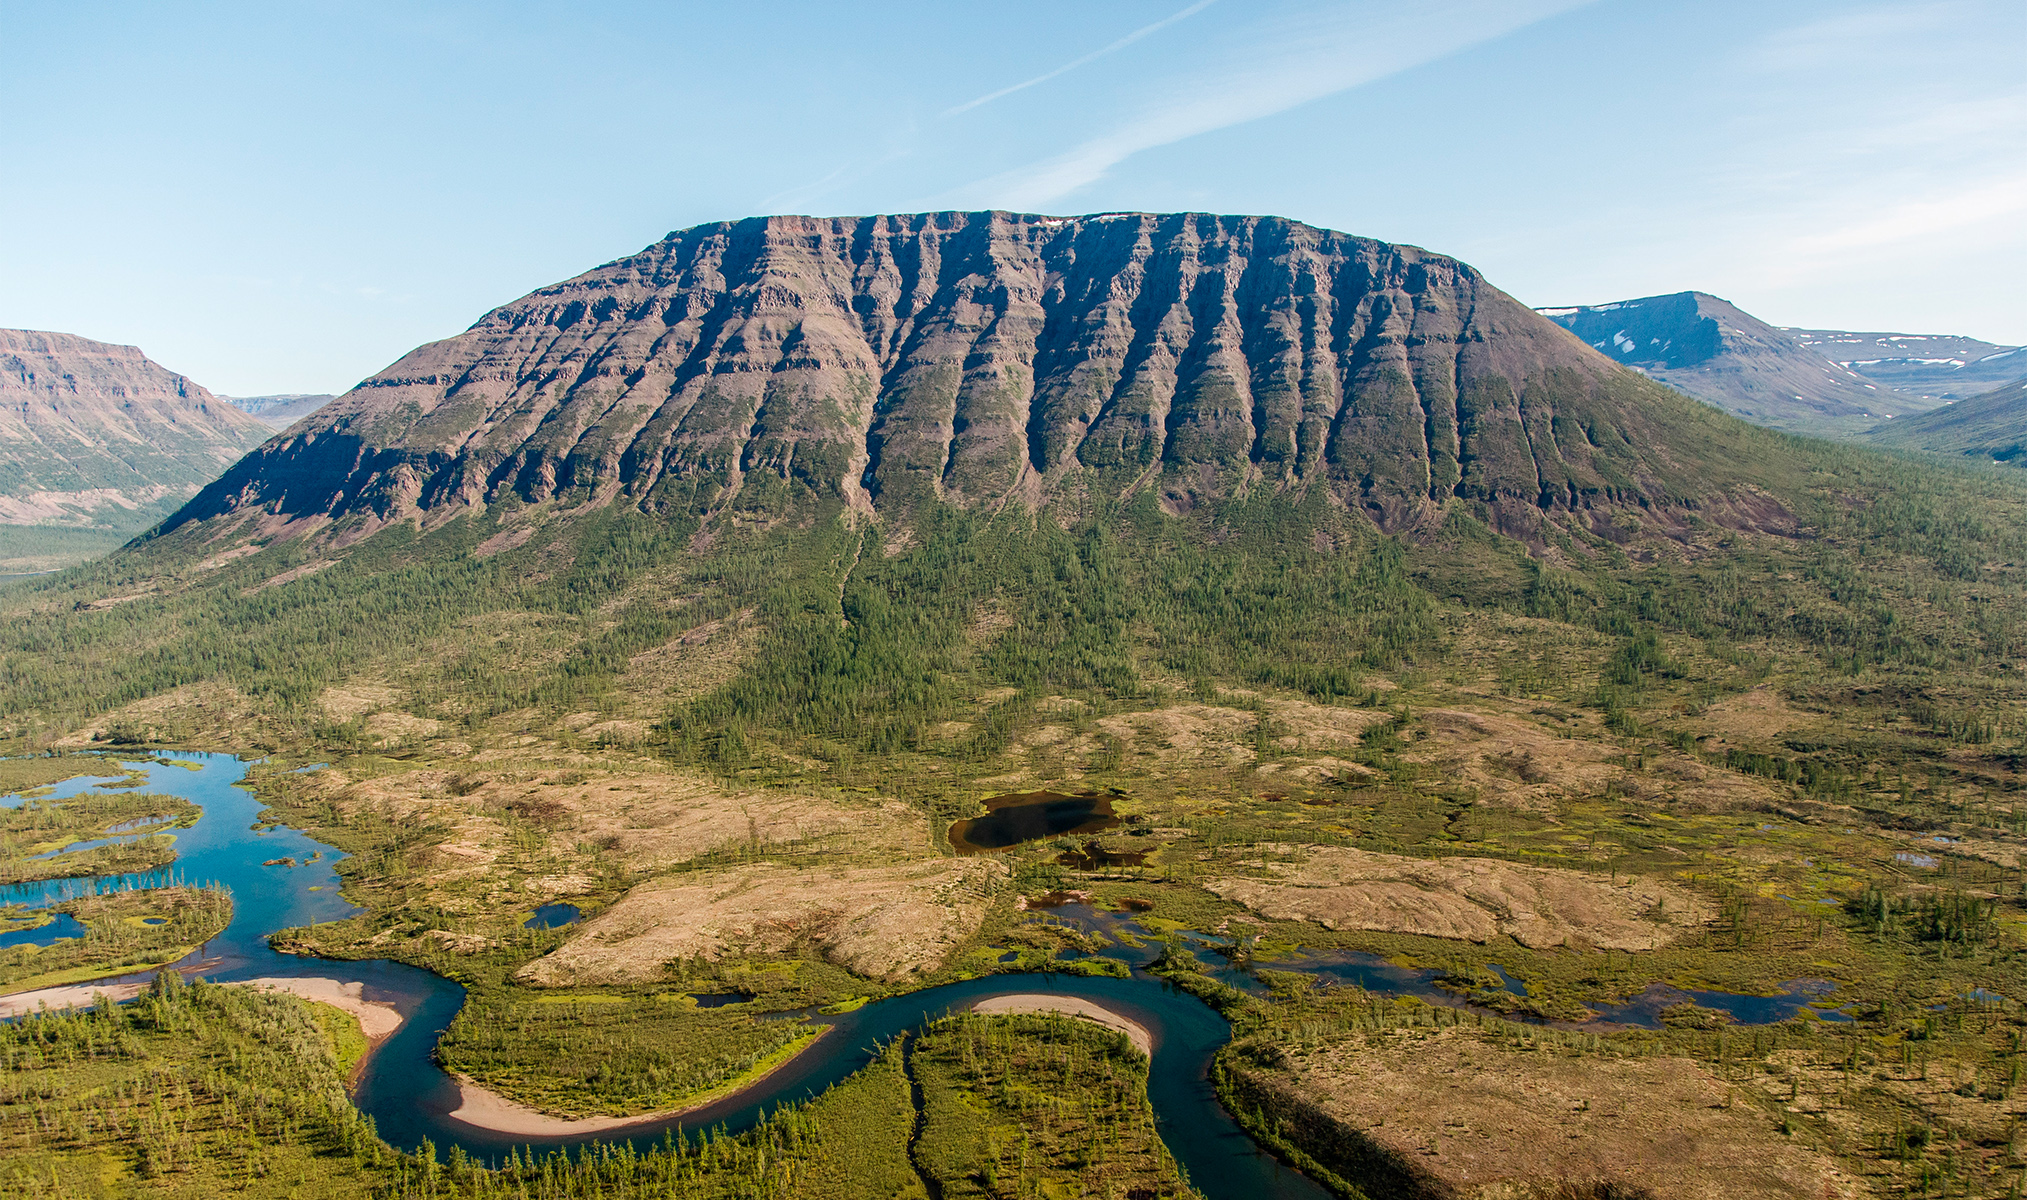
(989,358)
(95,435)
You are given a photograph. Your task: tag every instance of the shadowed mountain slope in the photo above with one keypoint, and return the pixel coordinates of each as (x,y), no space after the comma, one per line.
(989,358)
(1719,353)
(95,436)
(1992,426)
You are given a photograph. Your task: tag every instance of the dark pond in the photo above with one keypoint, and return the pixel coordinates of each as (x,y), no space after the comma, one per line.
(720,999)
(409,1097)
(63,925)
(1025,816)
(552,916)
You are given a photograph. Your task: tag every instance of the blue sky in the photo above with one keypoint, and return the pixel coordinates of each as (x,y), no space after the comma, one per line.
(288,196)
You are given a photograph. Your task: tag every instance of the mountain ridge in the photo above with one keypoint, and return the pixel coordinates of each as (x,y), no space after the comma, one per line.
(281,410)
(1991,425)
(94,434)
(1714,350)
(981,359)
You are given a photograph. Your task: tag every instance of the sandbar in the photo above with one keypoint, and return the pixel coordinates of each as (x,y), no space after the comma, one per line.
(70,995)
(483,1108)
(376,1020)
(1070,1006)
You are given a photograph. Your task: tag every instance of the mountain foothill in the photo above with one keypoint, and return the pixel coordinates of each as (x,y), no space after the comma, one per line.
(1467,703)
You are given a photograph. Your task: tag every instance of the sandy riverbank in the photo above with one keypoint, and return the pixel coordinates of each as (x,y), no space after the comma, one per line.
(73,995)
(485,1109)
(1069,1006)
(375,1020)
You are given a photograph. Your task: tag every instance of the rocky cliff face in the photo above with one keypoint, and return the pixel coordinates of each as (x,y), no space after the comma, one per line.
(993,358)
(93,434)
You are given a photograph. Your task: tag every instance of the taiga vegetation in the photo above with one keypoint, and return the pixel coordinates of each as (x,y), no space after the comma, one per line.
(1606,744)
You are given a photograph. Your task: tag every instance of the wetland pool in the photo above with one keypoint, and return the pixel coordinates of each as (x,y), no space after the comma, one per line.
(410,1098)
(1025,816)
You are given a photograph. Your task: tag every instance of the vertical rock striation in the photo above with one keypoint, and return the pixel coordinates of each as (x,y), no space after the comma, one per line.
(987,358)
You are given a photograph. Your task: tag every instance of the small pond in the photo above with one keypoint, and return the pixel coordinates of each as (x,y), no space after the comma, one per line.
(62,925)
(552,916)
(1025,816)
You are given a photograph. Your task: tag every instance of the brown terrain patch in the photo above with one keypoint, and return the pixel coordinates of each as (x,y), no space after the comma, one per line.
(647,820)
(1756,715)
(390,729)
(199,711)
(1196,734)
(289,576)
(880,922)
(342,703)
(698,661)
(1462,1116)
(1517,763)
(1308,728)
(1471,899)
(1511,761)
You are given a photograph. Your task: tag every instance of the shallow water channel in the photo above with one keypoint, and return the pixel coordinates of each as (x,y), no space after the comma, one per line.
(409,1097)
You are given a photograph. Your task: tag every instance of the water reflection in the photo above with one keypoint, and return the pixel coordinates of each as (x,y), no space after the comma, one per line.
(1025,816)
(552,916)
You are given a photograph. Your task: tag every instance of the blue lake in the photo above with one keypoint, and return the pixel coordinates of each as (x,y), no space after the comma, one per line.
(62,925)
(552,916)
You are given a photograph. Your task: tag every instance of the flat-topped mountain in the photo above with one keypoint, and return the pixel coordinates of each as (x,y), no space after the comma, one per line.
(96,436)
(1934,366)
(993,358)
(281,410)
(1719,353)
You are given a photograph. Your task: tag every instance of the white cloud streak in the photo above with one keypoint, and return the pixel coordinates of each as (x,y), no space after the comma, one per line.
(1074,63)
(1921,219)
(1341,46)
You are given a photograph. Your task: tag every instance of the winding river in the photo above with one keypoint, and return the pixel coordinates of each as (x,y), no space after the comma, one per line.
(409,1097)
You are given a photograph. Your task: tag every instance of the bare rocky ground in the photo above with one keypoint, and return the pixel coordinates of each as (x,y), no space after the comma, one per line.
(884,923)
(1472,899)
(1473,1118)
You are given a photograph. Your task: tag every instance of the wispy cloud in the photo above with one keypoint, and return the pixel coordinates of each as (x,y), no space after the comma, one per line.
(1923,218)
(1859,35)
(1326,51)
(1095,55)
